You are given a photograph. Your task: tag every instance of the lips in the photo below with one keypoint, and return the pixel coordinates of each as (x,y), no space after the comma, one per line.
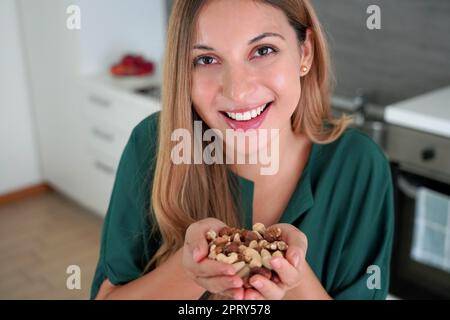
(249,119)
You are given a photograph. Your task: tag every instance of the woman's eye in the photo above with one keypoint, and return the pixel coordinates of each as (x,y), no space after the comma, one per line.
(264,51)
(204,60)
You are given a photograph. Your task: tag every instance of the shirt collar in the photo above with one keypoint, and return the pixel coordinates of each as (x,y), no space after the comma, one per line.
(302,198)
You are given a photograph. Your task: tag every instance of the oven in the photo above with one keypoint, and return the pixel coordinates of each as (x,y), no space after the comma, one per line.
(420,164)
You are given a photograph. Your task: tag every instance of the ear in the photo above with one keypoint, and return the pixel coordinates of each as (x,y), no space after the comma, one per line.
(307,53)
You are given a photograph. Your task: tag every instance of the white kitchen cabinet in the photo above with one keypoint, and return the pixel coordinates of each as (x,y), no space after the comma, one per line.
(109,113)
(83,121)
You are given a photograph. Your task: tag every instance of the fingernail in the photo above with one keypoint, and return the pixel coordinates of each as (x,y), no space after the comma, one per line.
(295,259)
(196,254)
(257,284)
(276,263)
(230,272)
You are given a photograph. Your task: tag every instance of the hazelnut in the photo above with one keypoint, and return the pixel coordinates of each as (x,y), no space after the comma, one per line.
(220,241)
(226,231)
(231,247)
(261,271)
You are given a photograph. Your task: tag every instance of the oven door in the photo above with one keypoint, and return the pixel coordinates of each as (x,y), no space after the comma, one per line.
(421,253)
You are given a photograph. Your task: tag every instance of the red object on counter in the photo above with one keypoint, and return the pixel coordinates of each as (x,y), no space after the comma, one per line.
(133,65)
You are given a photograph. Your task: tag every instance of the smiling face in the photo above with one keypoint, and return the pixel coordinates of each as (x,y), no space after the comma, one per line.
(247,66)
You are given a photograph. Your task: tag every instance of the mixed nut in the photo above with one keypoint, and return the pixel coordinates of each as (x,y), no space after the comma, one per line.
(249,251)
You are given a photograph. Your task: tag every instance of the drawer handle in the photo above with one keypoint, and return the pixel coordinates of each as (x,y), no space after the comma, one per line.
(102,134)
(104,167)
(99,101)
(428,154)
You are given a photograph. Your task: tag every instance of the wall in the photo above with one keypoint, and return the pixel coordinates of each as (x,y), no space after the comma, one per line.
(109,27)
(19,161)
(410,55)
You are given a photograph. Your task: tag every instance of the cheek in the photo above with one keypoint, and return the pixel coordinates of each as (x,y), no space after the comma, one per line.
(285,82)
(203,93)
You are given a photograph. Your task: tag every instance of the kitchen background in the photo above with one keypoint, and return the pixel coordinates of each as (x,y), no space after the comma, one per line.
(64,120)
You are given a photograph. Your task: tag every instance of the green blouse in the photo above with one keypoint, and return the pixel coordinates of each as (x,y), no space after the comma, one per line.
(343,202)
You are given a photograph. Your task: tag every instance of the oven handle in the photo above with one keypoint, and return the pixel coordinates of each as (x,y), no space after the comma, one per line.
(407,187)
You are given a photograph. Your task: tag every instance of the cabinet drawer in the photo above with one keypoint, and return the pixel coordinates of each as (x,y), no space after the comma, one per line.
(101,172)
(105,139)
(119,109)
(421,150)
(100,107)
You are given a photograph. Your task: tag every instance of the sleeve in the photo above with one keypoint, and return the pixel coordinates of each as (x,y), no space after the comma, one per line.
(364,265)
(125,236)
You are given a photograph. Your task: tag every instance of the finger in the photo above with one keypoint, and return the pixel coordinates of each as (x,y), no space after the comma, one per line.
(297,243)
(268,289)
(220,284)
(211,268)
(251,294)
(288,274)
(195,239)
(293,236)
(295,255)
(234,293)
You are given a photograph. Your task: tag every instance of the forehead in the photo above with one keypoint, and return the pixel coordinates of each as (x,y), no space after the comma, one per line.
(221,20)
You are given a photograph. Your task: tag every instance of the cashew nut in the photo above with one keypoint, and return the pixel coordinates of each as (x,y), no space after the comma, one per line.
(211,235)
(232,258)
(281,245)
(253,257)
(253,244)
(277,253)
(259,227)
(238,265)
(262,243)
(265,259)
(244,272)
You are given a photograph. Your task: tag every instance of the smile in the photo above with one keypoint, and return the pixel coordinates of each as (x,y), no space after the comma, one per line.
(248,119)
(248,115)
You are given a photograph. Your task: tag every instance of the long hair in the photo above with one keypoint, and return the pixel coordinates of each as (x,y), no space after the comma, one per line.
(181,193)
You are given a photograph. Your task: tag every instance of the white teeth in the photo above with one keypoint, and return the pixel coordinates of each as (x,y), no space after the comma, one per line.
(232,115)
(245,116)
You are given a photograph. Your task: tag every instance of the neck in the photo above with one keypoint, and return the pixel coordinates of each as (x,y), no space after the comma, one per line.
(292,150)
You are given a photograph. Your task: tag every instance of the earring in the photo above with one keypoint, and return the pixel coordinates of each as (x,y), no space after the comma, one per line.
(304,68)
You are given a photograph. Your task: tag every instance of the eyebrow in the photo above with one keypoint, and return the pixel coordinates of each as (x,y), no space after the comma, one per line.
(255,39)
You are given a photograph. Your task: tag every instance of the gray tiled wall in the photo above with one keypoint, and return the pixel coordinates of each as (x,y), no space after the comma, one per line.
(410,55)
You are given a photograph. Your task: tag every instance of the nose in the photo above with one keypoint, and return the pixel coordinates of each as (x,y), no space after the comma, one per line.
(238,84)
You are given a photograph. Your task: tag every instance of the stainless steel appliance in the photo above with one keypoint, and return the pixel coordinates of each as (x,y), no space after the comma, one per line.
(419,160)
(420,165)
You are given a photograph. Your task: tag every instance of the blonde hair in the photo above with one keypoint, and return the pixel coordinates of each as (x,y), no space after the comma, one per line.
(183,194)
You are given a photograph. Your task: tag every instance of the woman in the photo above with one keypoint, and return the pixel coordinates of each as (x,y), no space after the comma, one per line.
(244,64)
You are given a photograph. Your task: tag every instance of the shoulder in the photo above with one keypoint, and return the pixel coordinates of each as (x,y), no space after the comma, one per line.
(142,144)
(146,130)
(354,147)
(355,160)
